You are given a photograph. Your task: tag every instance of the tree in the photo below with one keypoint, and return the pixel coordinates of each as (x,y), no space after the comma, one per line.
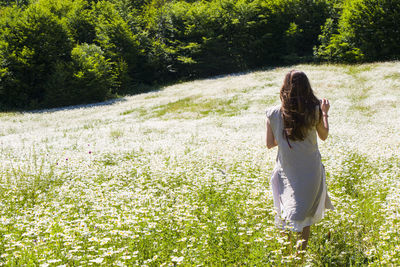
(30,48)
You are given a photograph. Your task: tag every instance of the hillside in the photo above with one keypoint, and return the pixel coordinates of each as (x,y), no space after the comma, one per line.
(181,175)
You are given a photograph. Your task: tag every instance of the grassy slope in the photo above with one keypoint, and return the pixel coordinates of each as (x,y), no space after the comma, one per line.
(181,175)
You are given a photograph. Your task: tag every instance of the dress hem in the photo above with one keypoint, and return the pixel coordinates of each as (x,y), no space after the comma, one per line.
(295,225)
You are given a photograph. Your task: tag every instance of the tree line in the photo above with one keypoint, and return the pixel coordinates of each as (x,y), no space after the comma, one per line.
(63,52)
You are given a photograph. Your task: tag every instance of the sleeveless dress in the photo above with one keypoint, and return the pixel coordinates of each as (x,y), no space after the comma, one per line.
(298,180)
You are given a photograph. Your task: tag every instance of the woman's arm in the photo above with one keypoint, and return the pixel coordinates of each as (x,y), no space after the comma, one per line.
(323,125)
(270,139)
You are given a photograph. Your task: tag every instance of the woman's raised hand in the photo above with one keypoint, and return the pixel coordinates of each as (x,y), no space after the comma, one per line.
(325,106)
(323,125)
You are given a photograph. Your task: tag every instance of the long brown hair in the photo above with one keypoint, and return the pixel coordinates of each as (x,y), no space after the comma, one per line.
(298,106)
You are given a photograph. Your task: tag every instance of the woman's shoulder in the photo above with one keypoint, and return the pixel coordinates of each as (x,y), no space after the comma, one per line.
(271,111)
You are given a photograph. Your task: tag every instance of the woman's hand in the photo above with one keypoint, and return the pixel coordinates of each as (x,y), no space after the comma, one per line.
(325,106)
(323,125)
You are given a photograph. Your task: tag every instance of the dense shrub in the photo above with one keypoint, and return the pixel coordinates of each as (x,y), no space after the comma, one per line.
(53,51)
(76,17)
(13,2)
(303,27)
(92,72)
(32,43)
(208,38)
(87,78)
(367,30)
(119,44)
(41,67)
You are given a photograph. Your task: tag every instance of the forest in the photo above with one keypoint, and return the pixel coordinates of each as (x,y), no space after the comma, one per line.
(64,52)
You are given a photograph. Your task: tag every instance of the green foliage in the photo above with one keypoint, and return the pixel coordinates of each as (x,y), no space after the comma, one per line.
(209,38)
(19,3)
(336,47)
(32,43)
(361,24)
(93,71)
(41,67)
(118,42)
(158,41)
(80,22)
(303,20)
(88,78)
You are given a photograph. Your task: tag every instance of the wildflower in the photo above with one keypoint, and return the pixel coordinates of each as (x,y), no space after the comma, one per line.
(114,232)
(178,260)
(108,253)
(93,239)
(53,261)
(97,260)
(105,241)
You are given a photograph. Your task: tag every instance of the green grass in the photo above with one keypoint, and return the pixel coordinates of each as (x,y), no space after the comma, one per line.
(115,134)
(355,70)
(363,195)
(200,107)
(181,177)
(393,76)
(191,108)
(140,111)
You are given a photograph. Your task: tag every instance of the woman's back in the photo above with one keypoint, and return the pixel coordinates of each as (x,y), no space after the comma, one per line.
(298,164)
(298,180)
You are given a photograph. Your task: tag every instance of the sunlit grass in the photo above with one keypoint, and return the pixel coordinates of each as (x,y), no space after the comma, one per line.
(201,107)
(181,176)
(394,75)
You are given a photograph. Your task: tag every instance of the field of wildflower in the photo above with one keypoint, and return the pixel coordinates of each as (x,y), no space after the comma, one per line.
(180,176)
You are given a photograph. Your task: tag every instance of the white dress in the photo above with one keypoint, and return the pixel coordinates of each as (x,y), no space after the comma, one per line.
(298,180)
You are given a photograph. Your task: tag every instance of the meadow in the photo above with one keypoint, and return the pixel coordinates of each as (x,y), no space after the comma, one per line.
(180,176)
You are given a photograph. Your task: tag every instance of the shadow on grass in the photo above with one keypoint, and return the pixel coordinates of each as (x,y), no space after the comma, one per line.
(81,106)
(117,99)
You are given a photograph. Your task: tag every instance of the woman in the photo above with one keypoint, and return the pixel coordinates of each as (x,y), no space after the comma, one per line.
(298,180)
